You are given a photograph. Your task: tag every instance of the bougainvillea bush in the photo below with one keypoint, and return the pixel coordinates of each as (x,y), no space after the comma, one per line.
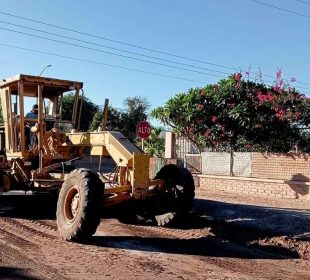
(239,113)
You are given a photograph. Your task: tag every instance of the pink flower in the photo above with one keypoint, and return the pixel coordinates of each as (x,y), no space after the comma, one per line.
(214,119)
(279,73)
(249,146)
(280,114)
(237,76)
(198,120)
(276,88)
(203,93)
(199,107)
(297,116)
(207,133)
(269,96)
(247,73)
(230,104)
(260,96)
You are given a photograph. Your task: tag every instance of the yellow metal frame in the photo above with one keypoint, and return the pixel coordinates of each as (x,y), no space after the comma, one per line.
(133,165)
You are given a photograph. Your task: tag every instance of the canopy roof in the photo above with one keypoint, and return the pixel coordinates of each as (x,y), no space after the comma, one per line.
(51,86)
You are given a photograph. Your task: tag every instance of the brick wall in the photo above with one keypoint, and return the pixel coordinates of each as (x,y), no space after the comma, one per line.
(255,187)
(288,166)
(196,180)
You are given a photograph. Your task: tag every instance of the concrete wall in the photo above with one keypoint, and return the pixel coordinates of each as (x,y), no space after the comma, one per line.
(289,166)
(215,163)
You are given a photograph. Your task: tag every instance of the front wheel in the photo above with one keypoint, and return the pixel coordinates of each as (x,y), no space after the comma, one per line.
(79,205)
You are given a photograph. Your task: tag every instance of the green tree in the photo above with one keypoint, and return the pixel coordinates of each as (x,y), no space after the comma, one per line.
(136,110)
(178,113)
(125,120)
(155,145)
(114,121)
(89,109)
(238,113)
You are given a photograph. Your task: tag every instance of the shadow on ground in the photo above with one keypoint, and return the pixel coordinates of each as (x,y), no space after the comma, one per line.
(15,273)
(206,246)
(229,225)
(39,206)
(265,221)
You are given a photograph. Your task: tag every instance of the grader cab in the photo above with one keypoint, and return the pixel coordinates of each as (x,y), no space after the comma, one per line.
(38,154)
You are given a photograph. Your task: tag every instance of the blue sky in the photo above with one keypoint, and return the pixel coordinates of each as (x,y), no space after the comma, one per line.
(231,33)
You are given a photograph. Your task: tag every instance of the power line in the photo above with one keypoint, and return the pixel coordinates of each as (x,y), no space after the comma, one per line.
(132,45)
(101,63)
(111,53)
(118,42)
(117,49)
(280,8)
(120,55)
(304,2)
(105,64)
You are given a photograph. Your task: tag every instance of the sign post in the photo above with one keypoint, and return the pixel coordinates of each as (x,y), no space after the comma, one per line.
(143,131)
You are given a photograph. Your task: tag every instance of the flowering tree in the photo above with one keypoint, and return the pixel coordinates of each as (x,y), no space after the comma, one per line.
(238,113)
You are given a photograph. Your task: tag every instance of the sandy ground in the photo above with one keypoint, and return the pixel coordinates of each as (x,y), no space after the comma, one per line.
(226,237)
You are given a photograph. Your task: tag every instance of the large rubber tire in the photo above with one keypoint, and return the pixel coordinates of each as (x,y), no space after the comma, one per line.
(185,192)
(79,205)
(180,185)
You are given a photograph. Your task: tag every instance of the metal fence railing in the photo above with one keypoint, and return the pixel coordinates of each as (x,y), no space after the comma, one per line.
(184,147)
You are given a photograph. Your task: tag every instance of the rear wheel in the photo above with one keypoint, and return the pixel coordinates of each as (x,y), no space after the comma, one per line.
(79,205)
(178,196)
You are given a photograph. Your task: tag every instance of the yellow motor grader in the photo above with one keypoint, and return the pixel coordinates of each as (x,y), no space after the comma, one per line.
(47,164)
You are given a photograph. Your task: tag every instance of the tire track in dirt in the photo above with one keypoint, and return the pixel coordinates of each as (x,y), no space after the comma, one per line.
(49,223)
(30,227)
(122,251)
(155,231)
(232,261)
(39,240)
(18,264)
(25,245)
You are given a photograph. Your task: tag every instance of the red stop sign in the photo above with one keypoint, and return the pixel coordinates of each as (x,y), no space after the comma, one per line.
(143,129)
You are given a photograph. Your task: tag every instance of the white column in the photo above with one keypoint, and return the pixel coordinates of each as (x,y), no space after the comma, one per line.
(169,144)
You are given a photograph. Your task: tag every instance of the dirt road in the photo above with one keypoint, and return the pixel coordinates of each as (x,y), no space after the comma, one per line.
(208,246)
